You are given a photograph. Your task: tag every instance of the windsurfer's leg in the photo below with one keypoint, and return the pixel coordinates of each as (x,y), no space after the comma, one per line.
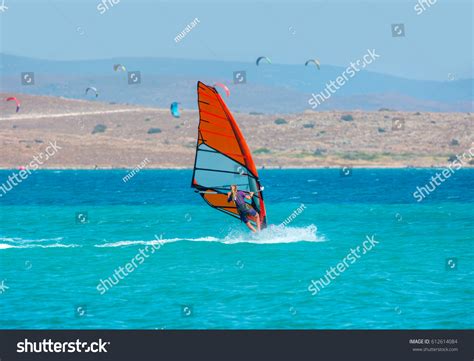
(257,220)
(248,224)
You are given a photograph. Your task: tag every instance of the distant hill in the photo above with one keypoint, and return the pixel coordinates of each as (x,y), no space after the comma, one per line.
(94,134)
(270,88)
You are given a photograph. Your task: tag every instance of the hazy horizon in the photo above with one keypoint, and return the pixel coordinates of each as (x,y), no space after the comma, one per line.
(251,63)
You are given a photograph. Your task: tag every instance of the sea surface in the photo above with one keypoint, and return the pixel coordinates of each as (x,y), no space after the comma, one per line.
(62,233)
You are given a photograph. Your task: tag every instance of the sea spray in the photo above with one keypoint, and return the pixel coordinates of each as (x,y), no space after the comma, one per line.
(274,234)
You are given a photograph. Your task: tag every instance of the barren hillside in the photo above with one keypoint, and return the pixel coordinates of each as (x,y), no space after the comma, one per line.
(94,134)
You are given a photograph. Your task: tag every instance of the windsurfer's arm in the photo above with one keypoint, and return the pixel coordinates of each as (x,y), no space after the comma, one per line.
(250,195)
(229,196)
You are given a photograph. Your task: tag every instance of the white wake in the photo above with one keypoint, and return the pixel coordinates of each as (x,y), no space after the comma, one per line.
(272,235)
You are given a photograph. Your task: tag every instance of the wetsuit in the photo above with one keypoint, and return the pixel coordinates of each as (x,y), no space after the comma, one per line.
(243,207)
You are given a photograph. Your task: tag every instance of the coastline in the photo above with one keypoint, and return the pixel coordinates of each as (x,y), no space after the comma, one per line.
(258,168)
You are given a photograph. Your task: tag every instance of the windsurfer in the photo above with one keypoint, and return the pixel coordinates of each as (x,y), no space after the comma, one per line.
(246,211)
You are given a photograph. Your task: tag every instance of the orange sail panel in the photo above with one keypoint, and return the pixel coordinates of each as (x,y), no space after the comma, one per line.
(223,157)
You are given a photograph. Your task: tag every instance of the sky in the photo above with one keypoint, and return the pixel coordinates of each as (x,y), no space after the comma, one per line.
(438,42)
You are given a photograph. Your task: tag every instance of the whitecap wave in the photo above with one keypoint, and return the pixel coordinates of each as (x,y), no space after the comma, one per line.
(17,242)
(153,242)
(21,240)
(55,245)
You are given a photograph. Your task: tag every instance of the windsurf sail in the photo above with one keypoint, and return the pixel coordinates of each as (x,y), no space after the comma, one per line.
(223,157)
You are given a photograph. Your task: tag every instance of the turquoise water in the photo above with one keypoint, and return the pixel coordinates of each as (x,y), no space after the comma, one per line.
(208,272)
